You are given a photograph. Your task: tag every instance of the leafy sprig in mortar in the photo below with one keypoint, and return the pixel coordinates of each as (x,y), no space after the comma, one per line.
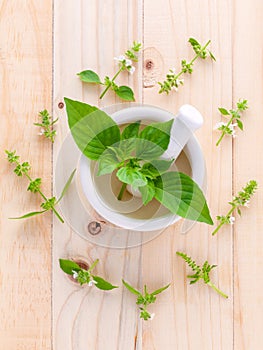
(228,128)
(46,125)
(200,272)
(83,276)
(145,299)
(22,169)
(134,153)
(241,200)
(173,80)
(125,63)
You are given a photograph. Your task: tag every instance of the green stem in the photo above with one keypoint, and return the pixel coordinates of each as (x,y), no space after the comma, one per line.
(107,88)
(222,223)
(227,125)
(93,265)
(217,290)
(123,187)
(223,132)
(45,198)
(193,60)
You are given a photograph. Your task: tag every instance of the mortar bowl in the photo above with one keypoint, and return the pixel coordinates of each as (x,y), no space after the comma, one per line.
(130,213)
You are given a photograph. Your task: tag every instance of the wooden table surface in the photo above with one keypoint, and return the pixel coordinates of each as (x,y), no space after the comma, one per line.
(43,44)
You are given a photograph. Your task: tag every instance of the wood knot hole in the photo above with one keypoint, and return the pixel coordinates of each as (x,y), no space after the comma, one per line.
(94,228)
(149,64)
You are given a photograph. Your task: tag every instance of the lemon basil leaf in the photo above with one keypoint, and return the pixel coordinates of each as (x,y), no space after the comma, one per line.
(153,140)
(102,284)
(147,192)
(182,196)
(88,76)
(125,93)
(131,176)
(92,129)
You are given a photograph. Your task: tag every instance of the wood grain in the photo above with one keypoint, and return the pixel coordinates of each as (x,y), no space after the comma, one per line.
(96,320)
(88,34)
(197,313)
(248,242)
(25,89)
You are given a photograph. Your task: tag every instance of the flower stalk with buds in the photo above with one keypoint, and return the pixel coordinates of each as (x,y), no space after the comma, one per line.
(241,200)
(228,128)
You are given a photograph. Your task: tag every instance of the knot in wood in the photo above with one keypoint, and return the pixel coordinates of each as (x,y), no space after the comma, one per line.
(94,228)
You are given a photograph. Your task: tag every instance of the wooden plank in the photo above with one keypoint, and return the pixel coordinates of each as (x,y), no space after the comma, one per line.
(248,242)
(192,317)
(97,32)
(25,89)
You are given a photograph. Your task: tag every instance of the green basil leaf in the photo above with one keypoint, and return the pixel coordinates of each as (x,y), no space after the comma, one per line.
(131,289)
(92,129)
(102,284)
(67,185)
(131,176)
(125,93)
(88,76)
(131,131)
(212,56)
(108,162)
(239,124)
(223,111)
(182,196)
(156,167)
(158,291)
(68,266)
(147,192)
(28,215)
(153,140)
(193,42)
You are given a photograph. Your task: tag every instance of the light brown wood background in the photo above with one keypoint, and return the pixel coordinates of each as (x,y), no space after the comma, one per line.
(39,307)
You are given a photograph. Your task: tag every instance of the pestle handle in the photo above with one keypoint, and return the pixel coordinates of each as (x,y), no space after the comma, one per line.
(186,122)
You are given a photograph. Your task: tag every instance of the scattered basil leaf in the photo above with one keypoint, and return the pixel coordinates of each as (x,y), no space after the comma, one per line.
(212,56)
(33,213)
(131,289)
(69,266)
(102,284)
(125,93)
(239,124)
(88,76)
(66,187)
(223,111)
(160,290)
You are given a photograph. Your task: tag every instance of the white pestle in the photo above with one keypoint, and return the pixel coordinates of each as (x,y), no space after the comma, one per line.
(186,122)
